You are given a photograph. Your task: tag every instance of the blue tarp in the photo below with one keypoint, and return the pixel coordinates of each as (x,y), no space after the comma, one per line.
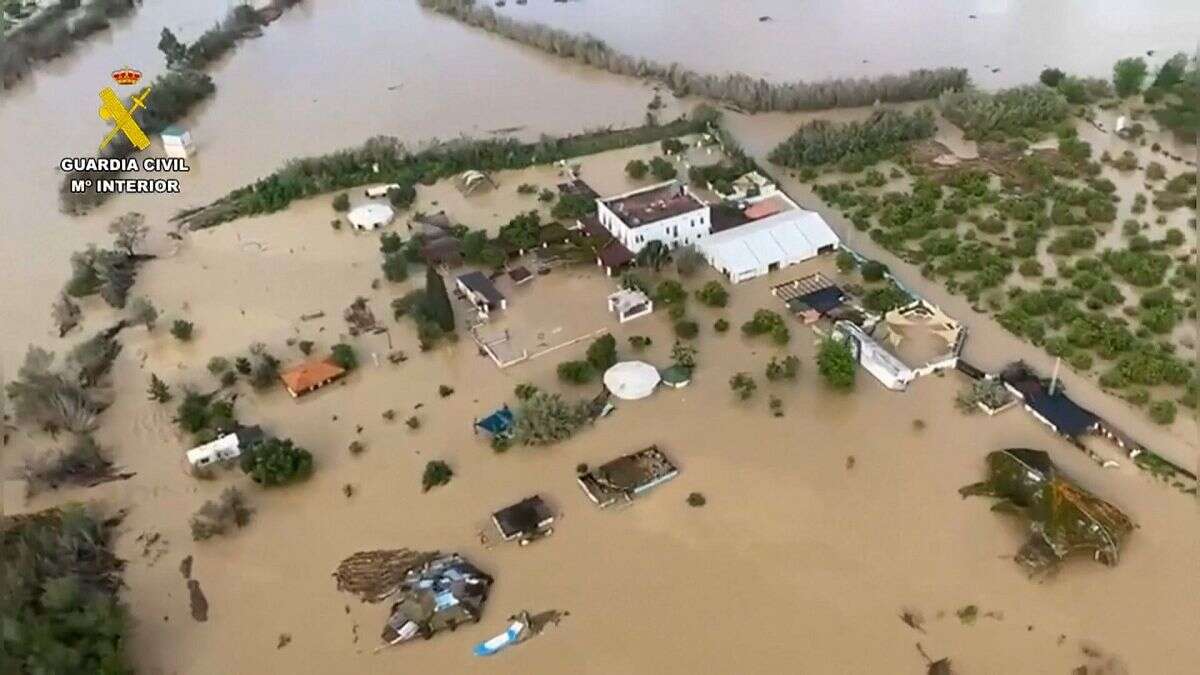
(499,422)
(1066,416)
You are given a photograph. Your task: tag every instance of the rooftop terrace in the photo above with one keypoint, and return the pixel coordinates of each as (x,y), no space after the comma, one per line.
(652,204)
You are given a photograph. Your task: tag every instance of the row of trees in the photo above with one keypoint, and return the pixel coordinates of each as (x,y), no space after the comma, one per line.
(1028,111)
(52,31)
(881,135)
(387,159)
(744,91)
(173,93)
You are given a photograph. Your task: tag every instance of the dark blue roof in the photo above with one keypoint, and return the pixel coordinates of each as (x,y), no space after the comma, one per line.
(1066,416)
(498,422)
(823,300)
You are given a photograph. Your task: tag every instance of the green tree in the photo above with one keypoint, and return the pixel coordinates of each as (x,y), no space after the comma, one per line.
(836,364)
(182,330)
(523,231)
(662,169)
(172,49)
(713,294)
(436,302)
(1129,75)
(1051,77)
(636,169)
(436,473)
(546,418)
(683,355)
(743,385)
(786,369)
(343,355)
(687,329)
(395,267)
(602,353)
(158,391)
(276,462)
(341,202)
(576,372)
(653,255)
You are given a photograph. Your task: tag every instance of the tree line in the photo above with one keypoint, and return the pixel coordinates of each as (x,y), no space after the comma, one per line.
(52,31)
(753,94)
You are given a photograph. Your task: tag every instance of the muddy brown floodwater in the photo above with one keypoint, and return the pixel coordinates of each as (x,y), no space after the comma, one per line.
(801,561)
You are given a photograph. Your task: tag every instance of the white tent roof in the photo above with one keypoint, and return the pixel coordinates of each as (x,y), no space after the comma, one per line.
(370,216)
(631,380)
(786,237)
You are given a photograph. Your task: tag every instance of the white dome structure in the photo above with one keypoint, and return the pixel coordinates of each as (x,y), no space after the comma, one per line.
(371,216)
(631,380)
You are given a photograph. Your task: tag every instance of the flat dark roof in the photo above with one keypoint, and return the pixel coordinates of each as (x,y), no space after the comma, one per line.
(478,283)
(651,206)
(525,517)
(614,254)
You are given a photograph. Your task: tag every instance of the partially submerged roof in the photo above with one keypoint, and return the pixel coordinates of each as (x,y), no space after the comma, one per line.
(1064,517)
(627,476)
(631,380)
(371,216)
(654,203)
(823,300)
(527,517)
(577,188)
(310,375)
(478,283)
(442,251)
(443,593)
(766,207)
(520,274)
(590,225)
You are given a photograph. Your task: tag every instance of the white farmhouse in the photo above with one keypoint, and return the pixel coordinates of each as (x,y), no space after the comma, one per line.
(667,212)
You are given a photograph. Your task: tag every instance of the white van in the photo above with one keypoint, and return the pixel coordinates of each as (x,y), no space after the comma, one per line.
(380,190)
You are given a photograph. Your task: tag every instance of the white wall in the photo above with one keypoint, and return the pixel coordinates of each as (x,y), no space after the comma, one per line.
(681,230)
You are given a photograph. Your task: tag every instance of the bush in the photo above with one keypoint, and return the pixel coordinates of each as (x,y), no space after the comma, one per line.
(662,169)
(836,364)
(688,261)
(1030,268)
(395,267)
(1020,111)
(713,294)
(341,203)
(720,325)
(696,499)
(873,270)
(218,365)
(1163,412)
(1051,77)
(786,369)
(576,372)
(402,197)
(1129,75)
(276,462)
(602,353)
(637,169)
(743,385)
(846,261)
(687,329)
(437,473)
(182,330)
(217,516)
(639,342)
(767,322)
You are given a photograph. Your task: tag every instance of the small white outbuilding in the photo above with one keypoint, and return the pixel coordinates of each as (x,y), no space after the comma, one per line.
(177,142)
(371,216)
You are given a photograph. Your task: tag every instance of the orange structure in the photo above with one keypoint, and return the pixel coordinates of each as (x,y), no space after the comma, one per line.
(310,375)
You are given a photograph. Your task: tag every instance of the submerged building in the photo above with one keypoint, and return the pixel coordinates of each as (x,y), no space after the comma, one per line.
(627,477)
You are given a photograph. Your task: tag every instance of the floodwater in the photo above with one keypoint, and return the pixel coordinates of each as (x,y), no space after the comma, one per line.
(797,564)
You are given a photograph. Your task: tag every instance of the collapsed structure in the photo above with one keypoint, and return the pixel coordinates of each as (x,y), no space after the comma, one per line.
(442,593)
(1063,517)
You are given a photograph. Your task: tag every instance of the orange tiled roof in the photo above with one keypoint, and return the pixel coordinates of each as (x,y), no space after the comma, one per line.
(310,375)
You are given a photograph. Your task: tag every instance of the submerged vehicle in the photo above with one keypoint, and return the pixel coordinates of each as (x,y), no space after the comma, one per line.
(1063,517)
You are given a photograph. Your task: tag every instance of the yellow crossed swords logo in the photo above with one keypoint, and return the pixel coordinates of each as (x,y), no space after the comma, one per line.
(111,108)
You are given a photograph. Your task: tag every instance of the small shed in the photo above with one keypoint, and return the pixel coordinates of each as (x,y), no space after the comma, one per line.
(177,142)
(629,304)
(310,376)
(371,216)
(526,520)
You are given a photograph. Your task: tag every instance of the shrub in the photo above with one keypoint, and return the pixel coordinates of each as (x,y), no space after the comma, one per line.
(743,385)
(1163,412)
(341,203)
(687,329)
(602,353)
(436,473)
(786,369)
(873,270)
(696,499)
(218,365)
(688,261)
(343,356)
(395,267)
(1030,268)
(1051,77)
(766,322)
(445,390)
(182,330)
(637,169)
(662,169)
(576,372)
(713,294)
(276,462)
(216,516)
(720,325)
(1028,110)
(846,261)
(639,342)
(683,355)
(670,292)
(836,364)
(402,197)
